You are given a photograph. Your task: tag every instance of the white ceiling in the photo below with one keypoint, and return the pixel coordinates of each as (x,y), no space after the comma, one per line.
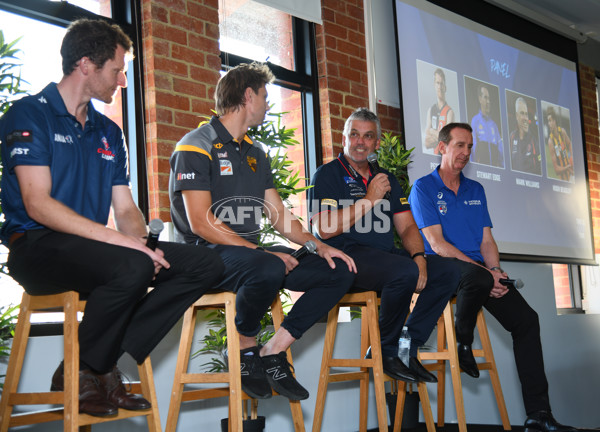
(577,19)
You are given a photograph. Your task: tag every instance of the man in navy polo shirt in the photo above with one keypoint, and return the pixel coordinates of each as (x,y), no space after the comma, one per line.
(356,208)
(221,182)
(451,212)
(64,167)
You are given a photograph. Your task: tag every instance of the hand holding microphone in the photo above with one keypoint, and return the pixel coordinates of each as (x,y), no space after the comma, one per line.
(155,227)
(372,160)
(309,248)
(515,283)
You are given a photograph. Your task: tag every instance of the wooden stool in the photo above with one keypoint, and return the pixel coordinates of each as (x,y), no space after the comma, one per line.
(447,351)
(368,303)
(221,300)
(69,303)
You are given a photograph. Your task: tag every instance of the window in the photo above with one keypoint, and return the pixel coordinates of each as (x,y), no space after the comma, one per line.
(251,31)
(41,27)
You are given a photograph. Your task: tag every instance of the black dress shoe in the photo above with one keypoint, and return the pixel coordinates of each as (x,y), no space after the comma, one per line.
(467,361)
(544,421)
(420,372)
(394,367)
(116,393)
(92,397)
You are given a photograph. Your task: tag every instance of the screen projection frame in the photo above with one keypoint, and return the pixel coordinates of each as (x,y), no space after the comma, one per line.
(528,37)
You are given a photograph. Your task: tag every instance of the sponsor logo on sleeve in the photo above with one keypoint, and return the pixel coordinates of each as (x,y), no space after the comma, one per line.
(403,201)
(186,176)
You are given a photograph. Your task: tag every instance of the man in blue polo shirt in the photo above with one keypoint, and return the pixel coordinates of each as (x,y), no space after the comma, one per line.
(355,207)
(451,212)
(64,166)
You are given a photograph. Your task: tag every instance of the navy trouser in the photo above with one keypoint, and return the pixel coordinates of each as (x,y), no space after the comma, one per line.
(120,314)
(257,276)
(517,317)
(394,274)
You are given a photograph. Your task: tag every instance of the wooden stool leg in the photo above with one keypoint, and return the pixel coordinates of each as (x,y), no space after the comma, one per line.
(71,363)
(295,407)
(441,375)
(183,356)
(235,378)
(426,406)
(378,374)
(330,332)
(486,344)
(401,399)
(455,369)
(149,392)
(364,382)
(15,363)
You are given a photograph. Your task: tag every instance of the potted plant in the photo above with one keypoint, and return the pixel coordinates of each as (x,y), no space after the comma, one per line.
(276,138)
(8,321)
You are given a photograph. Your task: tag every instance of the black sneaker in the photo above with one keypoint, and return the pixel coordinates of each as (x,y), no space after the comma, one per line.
(279,374)
(254,381)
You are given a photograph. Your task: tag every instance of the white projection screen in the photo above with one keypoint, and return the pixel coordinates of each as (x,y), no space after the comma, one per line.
(535,181)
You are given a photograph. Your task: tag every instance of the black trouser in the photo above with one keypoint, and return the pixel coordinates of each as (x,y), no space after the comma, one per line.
(517,317)
(257,276)
(120,315)
(394,274)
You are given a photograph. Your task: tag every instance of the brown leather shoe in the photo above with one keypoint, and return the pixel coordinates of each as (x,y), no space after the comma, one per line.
(116,393)
(92,397)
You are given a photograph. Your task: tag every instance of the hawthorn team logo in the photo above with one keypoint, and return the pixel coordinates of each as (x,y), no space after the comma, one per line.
(251,163)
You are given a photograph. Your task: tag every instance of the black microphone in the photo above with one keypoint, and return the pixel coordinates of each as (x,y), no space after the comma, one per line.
(309,248)
(515,283)
(155,226)
(372,160)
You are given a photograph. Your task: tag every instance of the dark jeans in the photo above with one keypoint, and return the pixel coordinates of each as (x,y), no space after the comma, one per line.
(257,276)
(394,274)
(120,314)
(517,317)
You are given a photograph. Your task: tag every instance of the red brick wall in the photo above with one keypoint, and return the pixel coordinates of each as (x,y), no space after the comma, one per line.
(342,68)
(181,55)
(589,104)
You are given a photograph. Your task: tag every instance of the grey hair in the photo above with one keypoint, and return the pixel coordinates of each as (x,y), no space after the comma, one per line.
(362,114)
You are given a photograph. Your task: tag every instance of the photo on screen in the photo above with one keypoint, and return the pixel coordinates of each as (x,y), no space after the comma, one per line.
(524,138)
(438,102)
(557,137)
(483,112)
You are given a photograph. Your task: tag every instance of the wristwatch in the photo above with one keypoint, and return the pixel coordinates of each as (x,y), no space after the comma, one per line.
(416,254)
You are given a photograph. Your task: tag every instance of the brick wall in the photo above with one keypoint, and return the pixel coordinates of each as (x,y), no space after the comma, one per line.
(342,69)
(181,54)
(589,104)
